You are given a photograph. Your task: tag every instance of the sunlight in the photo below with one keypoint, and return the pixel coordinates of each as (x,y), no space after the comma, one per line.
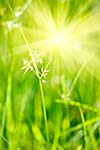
(59,40)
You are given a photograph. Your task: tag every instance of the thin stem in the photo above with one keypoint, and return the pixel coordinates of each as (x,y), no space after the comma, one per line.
(36,70)
(78,75)
(40,84)
(77,104)
(84,126)
(44,109)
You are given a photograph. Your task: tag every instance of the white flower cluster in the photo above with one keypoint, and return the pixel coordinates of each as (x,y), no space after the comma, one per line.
(29,65)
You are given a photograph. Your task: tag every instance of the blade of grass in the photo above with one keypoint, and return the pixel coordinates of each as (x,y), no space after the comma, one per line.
(78,75)
(79,126)
(2,137)
(92,137)
(56,138)
(10,121)
(84,126)
(7,119)
(77,104)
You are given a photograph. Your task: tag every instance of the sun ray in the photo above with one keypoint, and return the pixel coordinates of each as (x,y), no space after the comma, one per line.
(56,33)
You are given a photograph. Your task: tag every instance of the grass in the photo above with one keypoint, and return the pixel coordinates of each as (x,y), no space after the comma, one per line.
(49,75)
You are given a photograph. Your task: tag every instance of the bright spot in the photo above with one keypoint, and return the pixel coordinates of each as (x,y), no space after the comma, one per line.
(59,40)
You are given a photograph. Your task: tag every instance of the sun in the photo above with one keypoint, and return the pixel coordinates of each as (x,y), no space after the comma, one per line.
(59,40)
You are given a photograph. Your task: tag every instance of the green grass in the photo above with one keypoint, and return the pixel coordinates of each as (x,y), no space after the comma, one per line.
(49,75)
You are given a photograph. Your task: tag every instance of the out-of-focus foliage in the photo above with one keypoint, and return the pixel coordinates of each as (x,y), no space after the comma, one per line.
(64,36)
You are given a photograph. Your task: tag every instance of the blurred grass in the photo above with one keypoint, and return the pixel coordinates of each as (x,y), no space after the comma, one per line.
(72,88)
